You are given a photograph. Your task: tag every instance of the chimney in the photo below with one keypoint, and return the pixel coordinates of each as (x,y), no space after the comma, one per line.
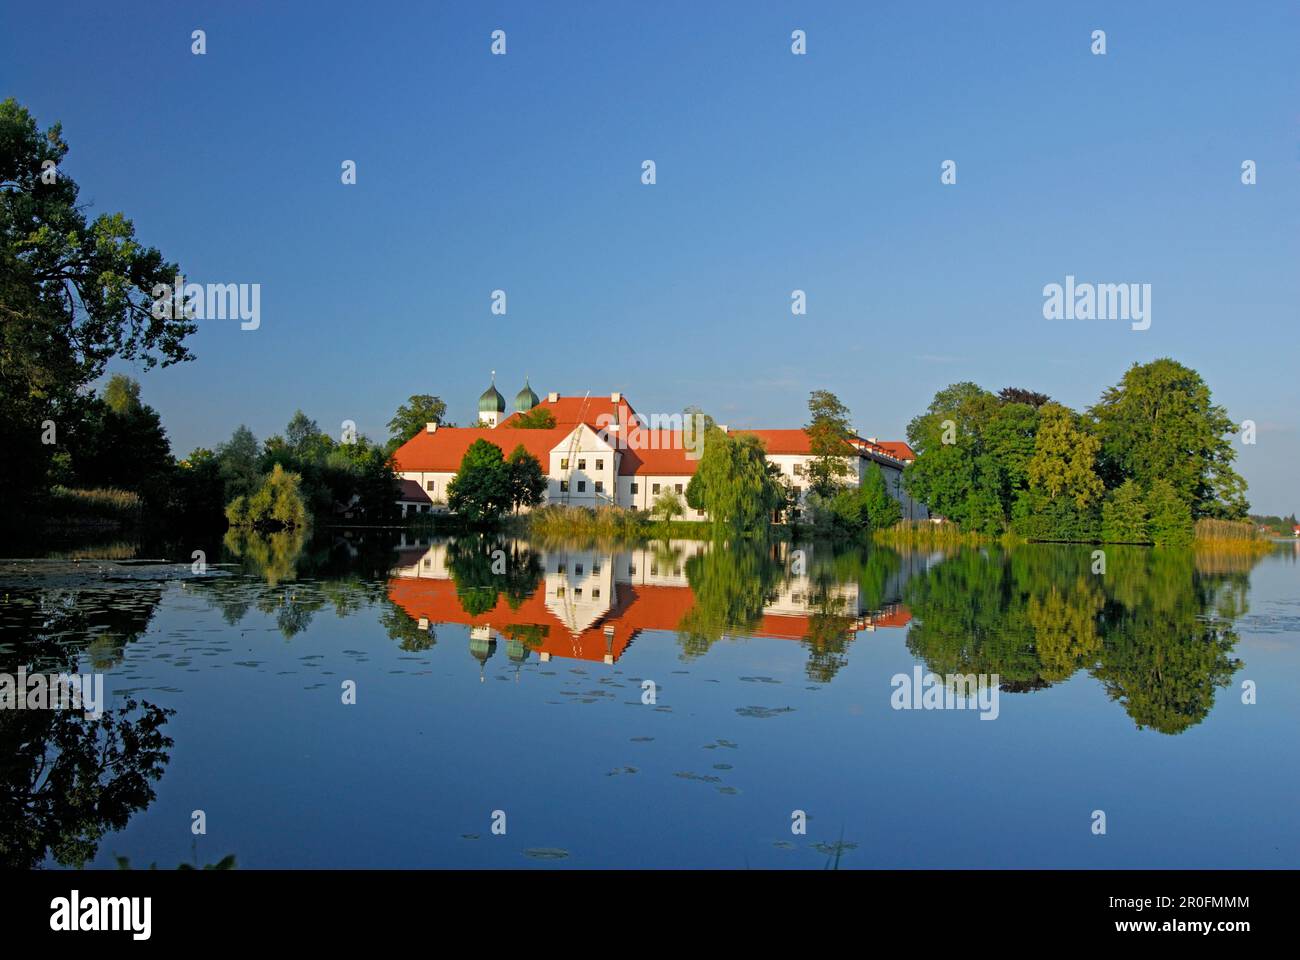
(431,426)
(873,440)
(552,397)
(723,427)
(615,397)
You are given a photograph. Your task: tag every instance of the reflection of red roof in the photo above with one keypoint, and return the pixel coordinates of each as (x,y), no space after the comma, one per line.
(593,411)
(443,450)
(635,608)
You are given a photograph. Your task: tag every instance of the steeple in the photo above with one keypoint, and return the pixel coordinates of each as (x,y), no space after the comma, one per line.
(525,399)
(491,405)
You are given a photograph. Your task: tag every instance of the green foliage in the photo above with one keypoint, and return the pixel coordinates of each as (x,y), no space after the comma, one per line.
(120,442)
(1171,522)
(1124,515)
(668,506)
(828,434)
(733,483)
(74,294)
(1160,422)
(538,418)
(412,417)
(1023,461)
(527,479)
(276,505)
(481,490)
(1064,460)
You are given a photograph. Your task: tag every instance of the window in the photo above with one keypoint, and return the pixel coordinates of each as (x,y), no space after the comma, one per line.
(595,594)
(600,464)
(631,569)
(431,484)
(582,464)
(635,488)
(595,569)
(699,513)
(577,570)
(655,488)
(654,569)
(559,591)
(564,463)
(582,485)
(577,592)
(559,568)
(428,561)
(677,487)
(600,486)
(564,486)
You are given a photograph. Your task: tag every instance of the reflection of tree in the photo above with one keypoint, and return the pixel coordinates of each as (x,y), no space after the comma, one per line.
(483,567)
(1154,628)
(830,629)
(67,780)
(731,583)
(405,629)
(271,556)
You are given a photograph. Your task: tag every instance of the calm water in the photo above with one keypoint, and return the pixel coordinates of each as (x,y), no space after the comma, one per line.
(505,680)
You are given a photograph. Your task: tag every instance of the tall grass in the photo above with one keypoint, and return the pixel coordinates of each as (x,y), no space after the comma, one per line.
(923,533)
(99,505)
(1236,536)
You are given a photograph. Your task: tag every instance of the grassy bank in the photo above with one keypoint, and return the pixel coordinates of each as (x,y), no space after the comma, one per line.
(923,533)
(65,506)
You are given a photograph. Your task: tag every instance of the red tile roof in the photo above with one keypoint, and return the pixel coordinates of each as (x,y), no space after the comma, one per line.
(413,492)
(897,449)
(443,450)
(782,441)
(658,453)
(594,411)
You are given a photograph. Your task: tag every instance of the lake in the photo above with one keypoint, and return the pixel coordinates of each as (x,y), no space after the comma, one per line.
(385,700)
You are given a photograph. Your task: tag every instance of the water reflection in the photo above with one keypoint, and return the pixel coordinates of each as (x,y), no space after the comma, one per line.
(66,779)
(1156,628)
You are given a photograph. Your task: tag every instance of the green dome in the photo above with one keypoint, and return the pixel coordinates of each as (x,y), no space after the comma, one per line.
(525,399)
(492,401)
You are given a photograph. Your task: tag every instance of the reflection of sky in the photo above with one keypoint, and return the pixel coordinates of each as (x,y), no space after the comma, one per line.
(289,776)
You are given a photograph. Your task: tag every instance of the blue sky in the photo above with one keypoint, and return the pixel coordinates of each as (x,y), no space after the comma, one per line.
(775,172)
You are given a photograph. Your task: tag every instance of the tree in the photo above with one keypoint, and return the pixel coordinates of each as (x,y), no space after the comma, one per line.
(121,443)
(1124,515)
(733,484)
(303,436)
(527,479)
(1063,464)
(1031,398)
(1171,522)
(73,294)
(237,459)
(276,505)
(480,492)
(668,505)
(538,418)
(828,436)
(879,508)
(412,417)
(1161,422)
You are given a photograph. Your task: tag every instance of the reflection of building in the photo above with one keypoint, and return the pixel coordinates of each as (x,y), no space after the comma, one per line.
(601,452)
(591,605)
